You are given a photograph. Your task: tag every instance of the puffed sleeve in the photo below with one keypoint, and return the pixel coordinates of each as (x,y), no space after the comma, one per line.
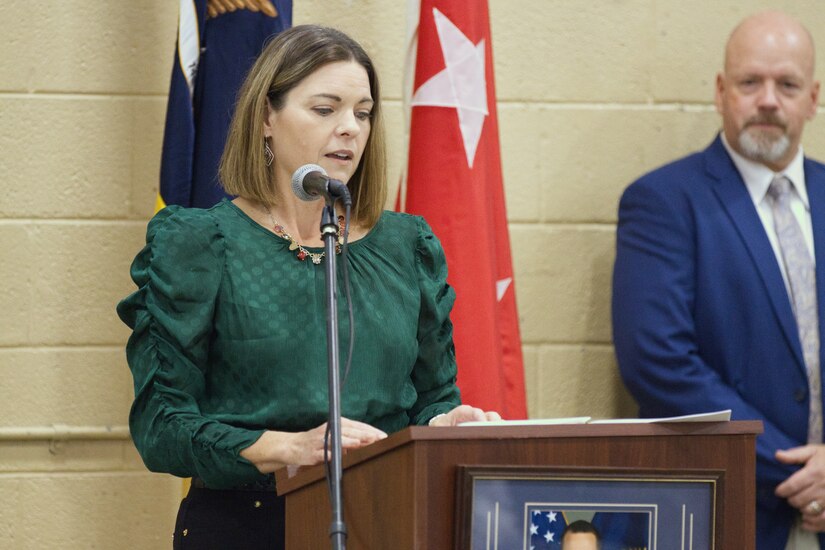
(434,374)
(178,275)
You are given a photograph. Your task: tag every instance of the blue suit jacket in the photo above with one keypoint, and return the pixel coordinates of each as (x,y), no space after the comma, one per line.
(701,317)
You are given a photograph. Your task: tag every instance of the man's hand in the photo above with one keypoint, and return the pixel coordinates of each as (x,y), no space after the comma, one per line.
(805,489)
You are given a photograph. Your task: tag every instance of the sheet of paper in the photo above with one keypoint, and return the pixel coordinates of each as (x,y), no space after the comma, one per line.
(716,416)
(531,422)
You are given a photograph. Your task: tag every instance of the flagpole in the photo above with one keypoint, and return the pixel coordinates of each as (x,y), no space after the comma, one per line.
(329,234)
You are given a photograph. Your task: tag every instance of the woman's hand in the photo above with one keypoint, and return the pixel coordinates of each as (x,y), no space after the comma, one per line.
(274,450)
(464,413)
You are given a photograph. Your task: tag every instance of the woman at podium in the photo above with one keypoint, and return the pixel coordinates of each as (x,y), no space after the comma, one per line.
(229,350)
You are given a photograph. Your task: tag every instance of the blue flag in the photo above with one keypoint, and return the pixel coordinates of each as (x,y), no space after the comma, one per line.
(212,57)
(546,528)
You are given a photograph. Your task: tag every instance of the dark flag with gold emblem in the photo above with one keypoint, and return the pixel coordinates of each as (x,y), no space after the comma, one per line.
(217,43)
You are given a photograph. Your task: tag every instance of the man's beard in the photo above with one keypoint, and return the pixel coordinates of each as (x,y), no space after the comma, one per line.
(762,146)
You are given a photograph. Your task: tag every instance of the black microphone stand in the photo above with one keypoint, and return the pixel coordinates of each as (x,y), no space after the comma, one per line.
(329,234)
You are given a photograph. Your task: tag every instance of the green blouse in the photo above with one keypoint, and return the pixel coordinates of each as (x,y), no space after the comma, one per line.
(230,337)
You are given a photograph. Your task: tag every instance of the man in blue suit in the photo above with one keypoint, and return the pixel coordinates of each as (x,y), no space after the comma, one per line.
(719,281)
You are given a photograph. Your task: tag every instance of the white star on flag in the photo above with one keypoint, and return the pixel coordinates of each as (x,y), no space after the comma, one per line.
(462,84)
(551,516)
(534,529)
(548,536)
(501,287)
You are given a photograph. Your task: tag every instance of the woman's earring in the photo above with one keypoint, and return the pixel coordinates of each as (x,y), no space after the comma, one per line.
(268,153)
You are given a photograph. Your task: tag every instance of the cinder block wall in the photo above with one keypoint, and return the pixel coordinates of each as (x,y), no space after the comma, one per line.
(82,88)
(590,96)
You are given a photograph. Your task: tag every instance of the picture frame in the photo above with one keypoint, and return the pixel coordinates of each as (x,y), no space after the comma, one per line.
(528,507)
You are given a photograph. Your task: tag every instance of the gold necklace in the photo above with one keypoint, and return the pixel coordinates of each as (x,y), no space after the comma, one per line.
(303,253)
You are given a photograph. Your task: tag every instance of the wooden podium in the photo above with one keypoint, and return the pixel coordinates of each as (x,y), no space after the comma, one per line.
(402,492)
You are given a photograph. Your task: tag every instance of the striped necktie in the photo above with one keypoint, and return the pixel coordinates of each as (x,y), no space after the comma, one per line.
(801,273)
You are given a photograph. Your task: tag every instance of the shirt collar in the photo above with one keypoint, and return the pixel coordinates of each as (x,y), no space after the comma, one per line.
(758,177)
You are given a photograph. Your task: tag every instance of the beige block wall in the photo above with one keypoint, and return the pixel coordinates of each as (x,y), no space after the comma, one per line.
(82,101)
(590,96)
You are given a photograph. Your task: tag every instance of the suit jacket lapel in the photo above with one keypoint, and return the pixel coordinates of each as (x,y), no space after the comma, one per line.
(733,195)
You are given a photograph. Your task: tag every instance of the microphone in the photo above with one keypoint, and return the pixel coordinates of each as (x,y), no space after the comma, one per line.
(310,182)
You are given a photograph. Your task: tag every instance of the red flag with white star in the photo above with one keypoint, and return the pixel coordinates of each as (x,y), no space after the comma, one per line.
(454,180)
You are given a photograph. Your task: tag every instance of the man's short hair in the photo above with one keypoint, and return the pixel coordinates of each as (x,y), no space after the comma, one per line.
(582,526)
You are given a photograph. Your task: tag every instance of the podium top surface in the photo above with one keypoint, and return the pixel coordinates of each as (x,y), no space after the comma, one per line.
(291,478)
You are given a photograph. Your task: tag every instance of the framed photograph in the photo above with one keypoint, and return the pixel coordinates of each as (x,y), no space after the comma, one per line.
(534,508)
